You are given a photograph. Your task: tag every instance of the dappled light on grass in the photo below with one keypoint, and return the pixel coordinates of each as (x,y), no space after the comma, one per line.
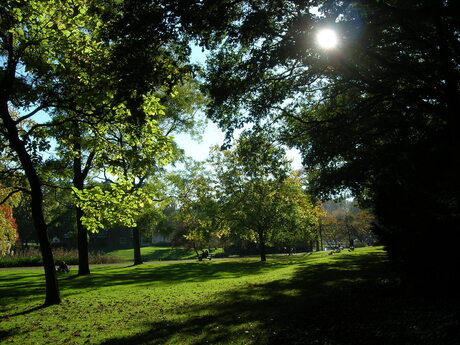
(349,298)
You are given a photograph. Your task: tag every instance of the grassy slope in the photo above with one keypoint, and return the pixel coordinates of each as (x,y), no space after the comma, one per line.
(159,253)
(349,298)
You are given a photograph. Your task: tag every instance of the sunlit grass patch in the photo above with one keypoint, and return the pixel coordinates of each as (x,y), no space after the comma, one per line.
(286,300)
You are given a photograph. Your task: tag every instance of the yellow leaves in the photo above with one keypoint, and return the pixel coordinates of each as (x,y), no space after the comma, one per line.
(61,26)
(152,107)
(17,13)
(118,203)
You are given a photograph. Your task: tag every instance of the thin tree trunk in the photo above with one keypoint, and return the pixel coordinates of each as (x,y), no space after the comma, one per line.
(82,240)
(263,256)
(18,146)
(194,248)
(79,183)
(137,231)
(320,228)
(137,246)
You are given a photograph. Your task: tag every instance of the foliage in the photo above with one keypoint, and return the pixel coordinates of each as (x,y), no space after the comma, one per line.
(80,61)
(8,226)
(377,116)
(8,229)
(257,197)
(231,302)
(47,47)
(199,214)
(344,224)
(117,204)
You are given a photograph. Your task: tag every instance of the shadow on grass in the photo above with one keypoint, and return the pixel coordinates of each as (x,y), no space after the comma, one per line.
(351,300)
(168,254)
(28,311)
(144,275)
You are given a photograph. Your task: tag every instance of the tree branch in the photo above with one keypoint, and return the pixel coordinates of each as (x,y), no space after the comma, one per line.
(13,192)
(32,113)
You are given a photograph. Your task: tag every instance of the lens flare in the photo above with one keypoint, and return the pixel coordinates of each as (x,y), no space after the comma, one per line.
(327,38)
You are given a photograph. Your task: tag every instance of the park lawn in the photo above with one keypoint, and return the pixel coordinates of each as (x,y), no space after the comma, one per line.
(153,253)
(346,298)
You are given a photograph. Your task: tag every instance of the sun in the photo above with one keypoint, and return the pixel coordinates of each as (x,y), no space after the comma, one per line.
(327,38)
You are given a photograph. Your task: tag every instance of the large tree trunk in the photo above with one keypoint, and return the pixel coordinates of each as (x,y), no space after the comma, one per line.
(263,256)
(18,146)
(137,246)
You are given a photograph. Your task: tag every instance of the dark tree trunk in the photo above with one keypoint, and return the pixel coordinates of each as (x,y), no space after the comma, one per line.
(194,248)
(82,238)
(350,237)
(79,183)
(52,288)
(263,256)
(137,231)
(351,243)
(18,146)
(137,246)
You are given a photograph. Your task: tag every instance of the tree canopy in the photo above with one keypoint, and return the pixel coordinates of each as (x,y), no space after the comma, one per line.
(260,199)
(79,61)
(376,116)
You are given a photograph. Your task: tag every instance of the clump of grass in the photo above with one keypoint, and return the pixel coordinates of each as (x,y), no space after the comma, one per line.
(32,257)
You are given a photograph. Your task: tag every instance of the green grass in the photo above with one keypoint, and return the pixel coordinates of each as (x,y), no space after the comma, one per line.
(160,253)
(347,298)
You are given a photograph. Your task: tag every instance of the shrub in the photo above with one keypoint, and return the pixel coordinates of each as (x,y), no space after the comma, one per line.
(32,257)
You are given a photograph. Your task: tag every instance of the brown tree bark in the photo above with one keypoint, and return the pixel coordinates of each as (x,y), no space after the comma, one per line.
(18,146)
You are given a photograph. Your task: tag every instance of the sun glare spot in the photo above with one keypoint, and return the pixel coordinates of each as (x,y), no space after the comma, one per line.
(327,38)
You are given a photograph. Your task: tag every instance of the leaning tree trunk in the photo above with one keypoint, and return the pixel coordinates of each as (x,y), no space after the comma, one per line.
(52,289)
(194,248)
(137,246)
(18,146)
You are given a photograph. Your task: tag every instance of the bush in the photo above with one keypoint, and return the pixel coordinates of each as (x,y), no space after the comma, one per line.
(32,257)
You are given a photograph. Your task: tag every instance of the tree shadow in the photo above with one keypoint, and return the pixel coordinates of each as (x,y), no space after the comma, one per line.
(28,311)
(167,254)
(143,275)
(349,300)
(5,334)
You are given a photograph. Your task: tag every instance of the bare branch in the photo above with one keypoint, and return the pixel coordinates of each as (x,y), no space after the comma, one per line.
(13,192)
(32,113)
